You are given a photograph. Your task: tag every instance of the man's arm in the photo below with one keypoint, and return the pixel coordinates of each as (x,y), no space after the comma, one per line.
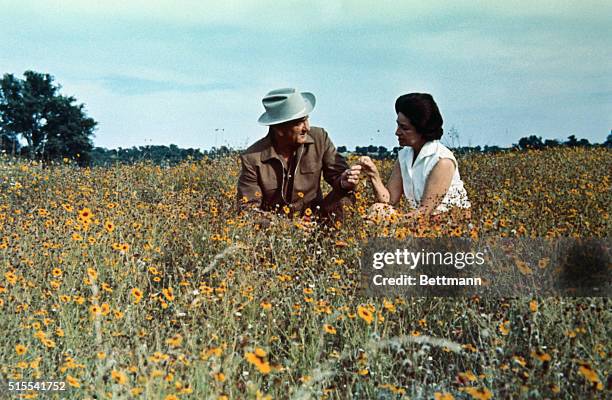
(249,191)
(334,164)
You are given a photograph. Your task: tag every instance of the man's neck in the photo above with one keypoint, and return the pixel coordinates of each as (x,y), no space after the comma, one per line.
(283,149)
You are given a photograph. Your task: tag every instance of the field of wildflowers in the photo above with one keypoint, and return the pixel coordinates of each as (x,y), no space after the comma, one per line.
(143,282)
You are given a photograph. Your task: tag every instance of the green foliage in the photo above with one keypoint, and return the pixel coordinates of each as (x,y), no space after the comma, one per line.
(52,124)
(158,155)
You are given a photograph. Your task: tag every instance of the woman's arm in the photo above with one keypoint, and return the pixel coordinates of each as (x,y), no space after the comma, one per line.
(393,191)
(437,185)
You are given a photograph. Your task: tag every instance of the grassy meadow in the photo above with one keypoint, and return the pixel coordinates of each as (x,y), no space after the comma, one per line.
(143,282)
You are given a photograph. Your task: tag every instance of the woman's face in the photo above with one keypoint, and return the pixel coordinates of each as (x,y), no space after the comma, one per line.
(407,134)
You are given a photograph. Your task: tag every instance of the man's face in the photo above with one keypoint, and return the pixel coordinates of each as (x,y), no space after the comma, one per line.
(294,132)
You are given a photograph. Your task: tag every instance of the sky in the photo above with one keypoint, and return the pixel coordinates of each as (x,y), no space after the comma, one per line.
(193,72)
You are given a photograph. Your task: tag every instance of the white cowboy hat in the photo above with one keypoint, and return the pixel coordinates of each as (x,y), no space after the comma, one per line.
(286,104)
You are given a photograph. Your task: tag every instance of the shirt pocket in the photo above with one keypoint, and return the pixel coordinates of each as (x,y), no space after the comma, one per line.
(310,167)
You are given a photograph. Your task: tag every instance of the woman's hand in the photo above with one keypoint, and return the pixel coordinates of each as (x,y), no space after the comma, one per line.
(368,167)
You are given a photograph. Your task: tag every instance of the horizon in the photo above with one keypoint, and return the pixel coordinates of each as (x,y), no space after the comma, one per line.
(354,148)
(193,73)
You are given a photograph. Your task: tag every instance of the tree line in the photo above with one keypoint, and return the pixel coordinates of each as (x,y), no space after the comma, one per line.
(532,142)
(55,127)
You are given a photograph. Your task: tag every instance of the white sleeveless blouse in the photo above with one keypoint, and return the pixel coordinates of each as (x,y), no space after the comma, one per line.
(414,176)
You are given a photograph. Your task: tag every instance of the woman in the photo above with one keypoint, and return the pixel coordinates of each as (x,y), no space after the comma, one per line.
(426,171)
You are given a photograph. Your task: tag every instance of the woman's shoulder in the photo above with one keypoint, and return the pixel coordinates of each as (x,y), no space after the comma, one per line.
(442,151)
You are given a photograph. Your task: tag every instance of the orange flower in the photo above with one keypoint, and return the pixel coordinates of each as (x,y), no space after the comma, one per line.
(259,360)
(504,327)
(72,381)
(478,393)
(365,314)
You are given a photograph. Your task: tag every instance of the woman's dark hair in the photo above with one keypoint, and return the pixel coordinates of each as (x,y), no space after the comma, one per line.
(423,113)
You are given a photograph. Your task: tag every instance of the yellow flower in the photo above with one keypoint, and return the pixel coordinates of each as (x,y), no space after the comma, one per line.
(92,273)
(101,355)
(210,352)
(478,393)
(168,293)
(137,294)
(105,309)
(308,212)
(171,397)
(72,381)
(119,377)
(467,376)
(109,226)
(20,349)
(175,341)
(523,267)
(266,305)
(329,329)
(365,314)
(258,359)
(533,306)
(10,277)
(219,377)
(85,214)
(95,310)
(443,396)
(504,327)
(56,272)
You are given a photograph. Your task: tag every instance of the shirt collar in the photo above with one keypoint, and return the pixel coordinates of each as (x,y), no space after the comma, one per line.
(427,150)
(269,151)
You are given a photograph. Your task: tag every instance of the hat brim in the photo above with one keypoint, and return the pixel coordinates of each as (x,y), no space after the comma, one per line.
(309,99)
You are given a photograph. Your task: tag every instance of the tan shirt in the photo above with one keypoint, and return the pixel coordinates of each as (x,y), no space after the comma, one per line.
(266,184)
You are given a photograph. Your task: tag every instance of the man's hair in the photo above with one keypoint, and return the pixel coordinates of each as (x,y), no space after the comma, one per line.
(423,113)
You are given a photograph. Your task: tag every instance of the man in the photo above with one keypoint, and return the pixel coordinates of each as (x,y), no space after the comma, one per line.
(282,171)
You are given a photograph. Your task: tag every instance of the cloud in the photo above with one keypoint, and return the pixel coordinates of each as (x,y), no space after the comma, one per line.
(127,85)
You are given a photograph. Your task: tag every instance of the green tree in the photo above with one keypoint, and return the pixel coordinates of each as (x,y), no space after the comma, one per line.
(52,124)
(531,142)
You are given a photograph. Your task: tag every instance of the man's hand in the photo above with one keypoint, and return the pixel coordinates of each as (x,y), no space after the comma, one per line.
(368,167)
(350,177)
